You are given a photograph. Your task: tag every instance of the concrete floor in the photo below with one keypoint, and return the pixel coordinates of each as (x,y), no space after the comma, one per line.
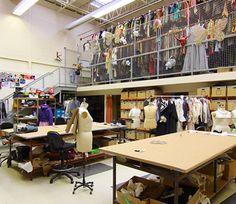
(15,188)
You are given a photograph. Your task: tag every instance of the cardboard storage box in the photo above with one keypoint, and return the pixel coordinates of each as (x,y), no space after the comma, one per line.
(230,170)
(140,104)
(204,91)
(231,90)
(234,69)
(132,94)
(151,92)
(124,95)
(141,95)
(218,91)
(128,105)
(231,105)
(124,114)
(223,69)
(128,124)
(131,104)
(215,104)
(130,134)
(122,104)
(140,135)
(153,190)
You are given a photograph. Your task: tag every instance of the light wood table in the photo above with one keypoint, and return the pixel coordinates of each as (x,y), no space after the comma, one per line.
(175,155)
(34,139)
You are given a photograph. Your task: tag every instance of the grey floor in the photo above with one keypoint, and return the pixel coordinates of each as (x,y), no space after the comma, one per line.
(15,188)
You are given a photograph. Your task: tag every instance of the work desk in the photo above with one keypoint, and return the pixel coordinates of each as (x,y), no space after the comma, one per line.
(175,155)
(34,139)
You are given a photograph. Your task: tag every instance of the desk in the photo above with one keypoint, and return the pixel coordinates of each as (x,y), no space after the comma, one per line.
(31,139)
(183,153)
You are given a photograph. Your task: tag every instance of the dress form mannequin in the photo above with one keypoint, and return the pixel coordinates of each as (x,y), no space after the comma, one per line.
(84,104)
(84,136)
(221,120)
(84,140)
(134,114)
(150,116)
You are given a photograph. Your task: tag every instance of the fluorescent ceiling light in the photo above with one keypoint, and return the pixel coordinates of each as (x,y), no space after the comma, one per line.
(110,7)
(115,4)
(100,3)
(23,6)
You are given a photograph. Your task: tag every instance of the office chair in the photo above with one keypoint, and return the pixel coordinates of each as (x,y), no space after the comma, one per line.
(60,121)
(57,144)
(5,125)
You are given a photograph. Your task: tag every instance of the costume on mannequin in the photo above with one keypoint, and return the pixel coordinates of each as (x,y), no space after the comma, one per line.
(84,104)
(150,116)
(45,116)
(135,114)
(221,120)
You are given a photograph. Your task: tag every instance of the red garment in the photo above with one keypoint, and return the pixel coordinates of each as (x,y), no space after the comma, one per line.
(151,66)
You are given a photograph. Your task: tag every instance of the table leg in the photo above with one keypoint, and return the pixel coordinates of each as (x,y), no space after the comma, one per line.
(215,176)
(176,188)
(9,156)
(114,179)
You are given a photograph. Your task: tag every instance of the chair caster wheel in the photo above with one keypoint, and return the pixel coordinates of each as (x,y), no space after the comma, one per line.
(50,182)
(91,192)
(72,182)
(73,192)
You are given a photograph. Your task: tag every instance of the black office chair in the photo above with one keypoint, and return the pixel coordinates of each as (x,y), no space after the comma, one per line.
(5,125)
(60,121)
(57,144)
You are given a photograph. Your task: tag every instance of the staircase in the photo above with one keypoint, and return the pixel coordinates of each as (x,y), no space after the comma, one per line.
(59,79)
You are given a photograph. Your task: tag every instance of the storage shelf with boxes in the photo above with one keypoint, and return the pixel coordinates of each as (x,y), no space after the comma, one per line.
(129,99)
(220,96)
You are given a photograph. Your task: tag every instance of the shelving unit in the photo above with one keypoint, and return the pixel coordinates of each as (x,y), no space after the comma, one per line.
(30,113)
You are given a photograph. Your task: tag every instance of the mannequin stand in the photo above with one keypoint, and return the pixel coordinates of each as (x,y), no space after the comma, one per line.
(83,184)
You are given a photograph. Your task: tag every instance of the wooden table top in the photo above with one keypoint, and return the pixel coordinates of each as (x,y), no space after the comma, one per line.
(182,151)
(42,130)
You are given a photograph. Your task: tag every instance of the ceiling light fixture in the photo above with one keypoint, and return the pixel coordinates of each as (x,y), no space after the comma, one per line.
(23,6)
(110,7)
(99,12)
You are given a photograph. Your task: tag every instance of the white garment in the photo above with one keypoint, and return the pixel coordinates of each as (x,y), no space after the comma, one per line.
(135,114)
(221,120)
(84,138)
(84,105)
(233,113)
(179,110)
(197,111)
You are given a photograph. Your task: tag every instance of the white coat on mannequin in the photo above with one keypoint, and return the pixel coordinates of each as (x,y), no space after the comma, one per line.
(221,120)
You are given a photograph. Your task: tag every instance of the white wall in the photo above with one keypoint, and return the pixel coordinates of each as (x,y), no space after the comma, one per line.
(29,43)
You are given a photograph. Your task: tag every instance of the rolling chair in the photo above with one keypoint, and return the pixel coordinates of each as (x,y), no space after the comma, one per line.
(60,121)
(57,144)
(5,125)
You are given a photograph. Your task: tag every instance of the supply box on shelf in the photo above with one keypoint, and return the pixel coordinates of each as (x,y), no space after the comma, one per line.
(133,95)
(204,91)
(218,91)
(231,90)
(124,95)
(215,104)
(141,94)
(231,105)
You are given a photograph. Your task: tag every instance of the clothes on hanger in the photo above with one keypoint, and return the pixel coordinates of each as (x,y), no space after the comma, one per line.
(45,116)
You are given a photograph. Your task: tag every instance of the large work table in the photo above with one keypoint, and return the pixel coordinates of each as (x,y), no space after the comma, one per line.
(34,139)
(174,155)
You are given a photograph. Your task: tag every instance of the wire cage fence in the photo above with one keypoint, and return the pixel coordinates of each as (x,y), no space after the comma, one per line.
(191,39)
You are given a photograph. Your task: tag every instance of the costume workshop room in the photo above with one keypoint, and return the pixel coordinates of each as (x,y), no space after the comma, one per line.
(118,102)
